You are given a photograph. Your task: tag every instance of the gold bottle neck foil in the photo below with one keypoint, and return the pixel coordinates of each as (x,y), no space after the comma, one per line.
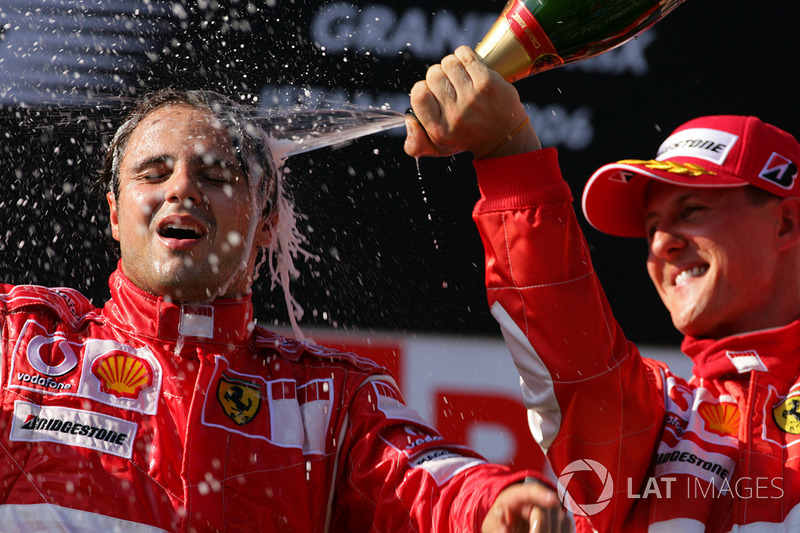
(516,46)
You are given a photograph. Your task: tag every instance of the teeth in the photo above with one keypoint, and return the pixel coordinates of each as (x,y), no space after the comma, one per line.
(692,272)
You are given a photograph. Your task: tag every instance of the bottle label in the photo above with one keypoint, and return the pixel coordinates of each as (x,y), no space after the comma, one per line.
(532,37)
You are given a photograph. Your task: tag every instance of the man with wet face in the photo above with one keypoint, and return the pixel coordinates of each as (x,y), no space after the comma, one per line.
(168,410)
(638,448)
(183,210)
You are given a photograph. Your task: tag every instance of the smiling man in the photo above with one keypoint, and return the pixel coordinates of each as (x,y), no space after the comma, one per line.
(638,448)
(168,409)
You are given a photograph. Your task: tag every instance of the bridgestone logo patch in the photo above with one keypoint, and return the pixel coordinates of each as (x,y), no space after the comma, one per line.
(73,427)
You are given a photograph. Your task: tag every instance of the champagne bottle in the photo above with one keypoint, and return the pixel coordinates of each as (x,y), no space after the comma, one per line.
(531,36)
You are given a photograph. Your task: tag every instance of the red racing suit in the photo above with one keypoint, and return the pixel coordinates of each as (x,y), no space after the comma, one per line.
(635,447)
(147,415)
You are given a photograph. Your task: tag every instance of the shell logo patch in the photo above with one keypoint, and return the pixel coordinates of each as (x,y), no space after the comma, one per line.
(787,415)
(122,374)
(239,399)
(720,418)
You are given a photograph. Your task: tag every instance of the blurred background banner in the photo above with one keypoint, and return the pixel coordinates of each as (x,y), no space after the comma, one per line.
(398,251)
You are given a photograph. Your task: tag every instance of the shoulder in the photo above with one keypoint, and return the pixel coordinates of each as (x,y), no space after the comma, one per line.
(64,304)
(309,353)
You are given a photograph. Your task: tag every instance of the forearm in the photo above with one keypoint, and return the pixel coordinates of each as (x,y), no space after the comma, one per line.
(411,477)
(589,393)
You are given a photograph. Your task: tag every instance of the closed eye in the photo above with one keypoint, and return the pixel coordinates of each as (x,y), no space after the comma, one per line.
(692,211)
(153,175)
(217,175)
(155,168)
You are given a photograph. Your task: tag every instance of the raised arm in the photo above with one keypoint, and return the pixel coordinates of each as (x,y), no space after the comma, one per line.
(591,397)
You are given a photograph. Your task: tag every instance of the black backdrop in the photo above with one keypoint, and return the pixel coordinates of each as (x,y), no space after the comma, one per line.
(397,246)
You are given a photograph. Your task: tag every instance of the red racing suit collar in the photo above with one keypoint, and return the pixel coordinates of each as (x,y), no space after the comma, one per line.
(227,321)
(770,350)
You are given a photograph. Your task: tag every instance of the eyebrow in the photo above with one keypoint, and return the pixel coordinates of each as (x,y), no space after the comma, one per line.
(201,160)
(151,161)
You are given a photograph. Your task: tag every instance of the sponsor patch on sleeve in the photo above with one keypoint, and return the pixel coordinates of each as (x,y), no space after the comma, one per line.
(443,464)
(390,403)
(73,427)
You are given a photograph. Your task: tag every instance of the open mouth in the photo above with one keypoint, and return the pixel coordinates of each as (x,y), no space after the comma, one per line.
(179,233)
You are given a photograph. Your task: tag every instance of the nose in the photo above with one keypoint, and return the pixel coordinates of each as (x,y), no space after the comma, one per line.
(183,187)
(665,241)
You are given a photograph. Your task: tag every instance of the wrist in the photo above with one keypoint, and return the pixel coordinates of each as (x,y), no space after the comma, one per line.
(521,139)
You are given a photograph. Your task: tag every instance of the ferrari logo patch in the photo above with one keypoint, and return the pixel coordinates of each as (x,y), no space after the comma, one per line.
(239,399)
(787,415)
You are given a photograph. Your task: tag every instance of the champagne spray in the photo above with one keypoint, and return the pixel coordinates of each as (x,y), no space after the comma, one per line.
(529,36)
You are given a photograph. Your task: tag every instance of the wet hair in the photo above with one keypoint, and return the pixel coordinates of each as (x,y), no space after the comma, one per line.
(249,140)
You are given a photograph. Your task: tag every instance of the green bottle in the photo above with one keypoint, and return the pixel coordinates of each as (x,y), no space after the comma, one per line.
(535,35)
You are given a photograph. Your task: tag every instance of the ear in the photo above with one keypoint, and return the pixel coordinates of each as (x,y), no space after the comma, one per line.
(112,215)
(266,229)
(788,210)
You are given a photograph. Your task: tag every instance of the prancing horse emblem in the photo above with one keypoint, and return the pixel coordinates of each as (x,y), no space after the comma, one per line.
(239,399)
(787,415)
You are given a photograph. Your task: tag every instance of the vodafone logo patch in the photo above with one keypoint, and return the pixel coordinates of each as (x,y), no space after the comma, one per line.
(61,357)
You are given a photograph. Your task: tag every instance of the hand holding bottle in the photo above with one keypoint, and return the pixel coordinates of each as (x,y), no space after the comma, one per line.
(463,105)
